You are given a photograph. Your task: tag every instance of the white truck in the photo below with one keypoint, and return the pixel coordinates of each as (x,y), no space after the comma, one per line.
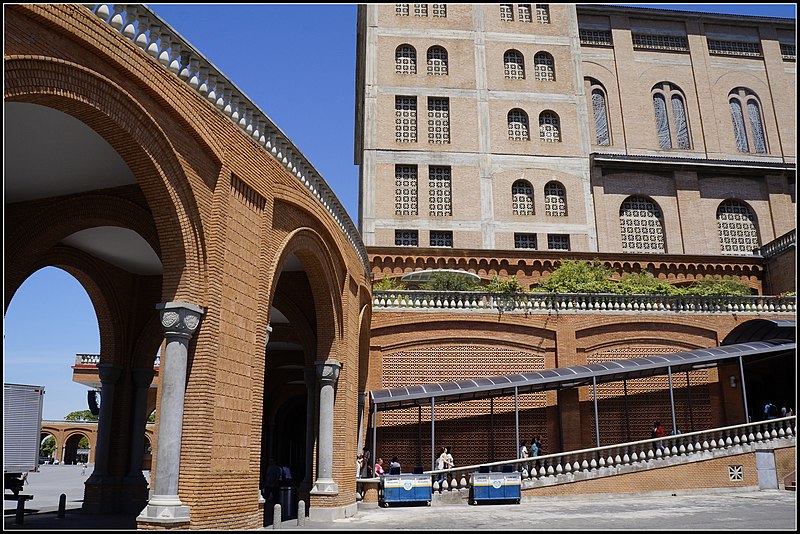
(22,428)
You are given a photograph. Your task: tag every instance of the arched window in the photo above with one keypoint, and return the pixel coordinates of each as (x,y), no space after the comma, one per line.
(751,128)
(522,198)
(549,128)
(599,108)
(737,228)
(437,61)
(544,67)
(555,200)
(669,106)
(405,60)
(514,65)
(641,226)
(518,125)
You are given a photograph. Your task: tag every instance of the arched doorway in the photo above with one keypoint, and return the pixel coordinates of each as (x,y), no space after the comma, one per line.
(76,449)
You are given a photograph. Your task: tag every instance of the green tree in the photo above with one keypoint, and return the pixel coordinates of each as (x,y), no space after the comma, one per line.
(504,285)
(80,415)
(48,447)
(579,276)
(644,283)
(387,284)
(83,443)
(718,286)
(445,281)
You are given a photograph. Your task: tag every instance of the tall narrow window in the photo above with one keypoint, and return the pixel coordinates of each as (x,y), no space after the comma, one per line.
(737,228)
(440,10)
(401,10)
(405,119)
(750,129)
(518,125)
(599,110)
(438,120)
(522,198)
(420,10)
(669,106)
(555,200)
(549,127)
(405,199)
(405,60)
(544,67)
(437,61)
(543,13)
(507,12)
(440,191)
(514,65)
(524,13)
(641,227)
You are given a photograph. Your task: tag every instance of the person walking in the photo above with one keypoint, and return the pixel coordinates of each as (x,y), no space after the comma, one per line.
(450,462)
(658,432)
(441,463)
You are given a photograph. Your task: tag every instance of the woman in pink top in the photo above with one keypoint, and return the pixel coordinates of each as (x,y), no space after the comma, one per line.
(379,467)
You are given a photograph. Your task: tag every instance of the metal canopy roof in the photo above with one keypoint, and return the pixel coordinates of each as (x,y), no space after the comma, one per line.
(424,276)
(567,377)
(762,329)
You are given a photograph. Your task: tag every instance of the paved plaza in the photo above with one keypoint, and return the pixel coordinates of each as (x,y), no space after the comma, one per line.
(742,509)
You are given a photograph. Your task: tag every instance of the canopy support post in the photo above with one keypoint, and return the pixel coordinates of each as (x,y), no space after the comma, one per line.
(672,401)
(596,420)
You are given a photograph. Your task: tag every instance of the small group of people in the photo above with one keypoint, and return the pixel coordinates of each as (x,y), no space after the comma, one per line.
(444,461)
(275,477)
(771,411)
(535,449)
(364,470)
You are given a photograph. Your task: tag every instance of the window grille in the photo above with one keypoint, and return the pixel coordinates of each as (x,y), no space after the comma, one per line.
(518,125)
(673,43)
(439,188)
(789,51)
(401,10)
(640,223)
(405,199)
(544,67)
(507,12)
(441,238)
(437,61)
(738,126)
(753,128)
(662,121)
(555,200)
(600,110)
(737,228)
(522,198)
(420,10)
(524,12)
(681,127)
(405,119)
(405,60)
(733,48)
(526,241)
(438,120)
(514,65)
(557,242)
(549,129)
(406,238)
(440,10)
(543,13)
(595,37)
(759,143)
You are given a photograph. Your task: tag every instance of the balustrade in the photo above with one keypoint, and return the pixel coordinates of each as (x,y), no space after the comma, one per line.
(145,29)
(583,302)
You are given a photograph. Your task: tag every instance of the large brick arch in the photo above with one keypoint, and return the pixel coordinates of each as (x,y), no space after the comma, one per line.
(125,124)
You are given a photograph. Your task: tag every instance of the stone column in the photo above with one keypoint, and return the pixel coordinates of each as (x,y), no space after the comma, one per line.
(328,373)
(109,374)
(179,321)
(136,494)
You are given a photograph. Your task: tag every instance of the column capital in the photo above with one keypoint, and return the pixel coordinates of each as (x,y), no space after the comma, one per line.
(179,319)
(108,373)
(143,376)
(328,370)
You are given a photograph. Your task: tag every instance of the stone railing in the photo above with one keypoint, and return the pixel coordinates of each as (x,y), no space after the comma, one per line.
(476,301)
(625,457)
(776,246)
(158,39)
(94,359)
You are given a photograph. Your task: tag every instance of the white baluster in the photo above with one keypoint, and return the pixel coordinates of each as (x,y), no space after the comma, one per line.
(152,47)
(626,459)
(117,21)
(102,10)
(129,30)
(141,38)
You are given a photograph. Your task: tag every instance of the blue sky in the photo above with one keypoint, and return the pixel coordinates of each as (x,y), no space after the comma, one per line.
(297,63)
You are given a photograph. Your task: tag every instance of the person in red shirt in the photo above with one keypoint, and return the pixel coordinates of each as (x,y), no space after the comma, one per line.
(379,467)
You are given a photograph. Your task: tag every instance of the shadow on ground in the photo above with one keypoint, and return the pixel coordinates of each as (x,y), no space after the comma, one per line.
(73,520)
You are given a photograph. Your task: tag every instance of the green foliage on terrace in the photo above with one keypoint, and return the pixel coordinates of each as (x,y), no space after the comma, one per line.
(445,281)
(644,283)
(388,284)
(578,276)
(718,287)
(504,285)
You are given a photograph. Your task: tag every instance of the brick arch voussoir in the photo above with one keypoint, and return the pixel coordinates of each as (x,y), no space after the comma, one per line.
(323,275)
(127,126)
(26,247)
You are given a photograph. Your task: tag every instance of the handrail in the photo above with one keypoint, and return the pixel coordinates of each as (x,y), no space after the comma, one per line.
(779,244)
(551,465)
(410,300)
(158,39)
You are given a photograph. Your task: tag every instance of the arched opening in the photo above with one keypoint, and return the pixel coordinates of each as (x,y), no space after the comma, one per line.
(76,449)
(48,449)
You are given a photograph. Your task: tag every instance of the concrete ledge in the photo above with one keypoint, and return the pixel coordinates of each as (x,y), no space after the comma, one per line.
(330,514)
